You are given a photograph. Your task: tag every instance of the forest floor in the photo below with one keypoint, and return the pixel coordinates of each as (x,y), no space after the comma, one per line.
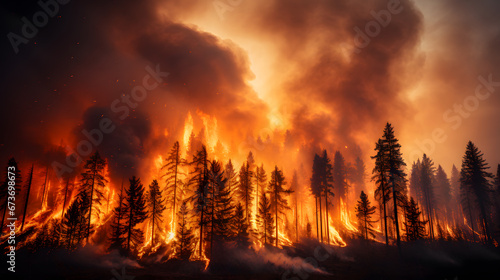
(359,260)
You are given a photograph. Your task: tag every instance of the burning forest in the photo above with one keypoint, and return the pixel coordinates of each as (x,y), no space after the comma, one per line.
(250,139)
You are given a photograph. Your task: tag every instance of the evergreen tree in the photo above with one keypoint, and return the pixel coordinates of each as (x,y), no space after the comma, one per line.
(455,195)
(496,199)
(260,180)
(223,199)
(278,201)
(11,172)
(172,177)
(199,181)
(118,229)
(316,188)
(245,191)
(443,193)
(382,192)
(75,222)
(395,173)
(155,207)
(427,182)
(327,182)
(135,213)
(474,182)
(185,244)
(364,212)
(414,227)
(339,180)
(92,184)
(241,227)
(265,221)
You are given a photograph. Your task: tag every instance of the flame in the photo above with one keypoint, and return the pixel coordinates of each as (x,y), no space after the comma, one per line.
(188,129)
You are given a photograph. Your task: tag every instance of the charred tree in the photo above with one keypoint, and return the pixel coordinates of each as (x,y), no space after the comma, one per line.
(265,221)
(28,197)
(246,189)
(185,243)
(173,162)
(414,226)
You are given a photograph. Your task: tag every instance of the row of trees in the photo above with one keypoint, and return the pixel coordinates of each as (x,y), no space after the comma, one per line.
(471,194)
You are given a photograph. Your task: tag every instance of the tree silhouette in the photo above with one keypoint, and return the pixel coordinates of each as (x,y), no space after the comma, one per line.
(185,243)
(443,193)
(395,173)
(135,212)
(414,227)
(92,182)
(455,195)
(118,229)
(278,201)
(474,182)
(241,227)
(223,201)
(327,180)
(294,186)
(316,188)
(427,181)
(199,181)
(173,162)
(155,207)
(260,180)
(364,212)
(382,192)
(75,221)
(245,191)
(339,172)
(265,221)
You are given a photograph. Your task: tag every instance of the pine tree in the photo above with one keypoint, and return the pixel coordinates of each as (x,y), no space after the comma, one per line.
(496,199)
(135,213)
(241,227)
(118,229)
(427,182)
(11,172)
(265,221)
(185,243)
(260,180)
(327,182)
(382,192)
(339,180)
(172,177)
(443,192)
(455,195)
(394,169)
(474,182)
(223,200)
(364,212)
(199,181)
(414,227)
(278,201)
(245,191)
(92,183)
(75,222)
(316,188)
(155,207)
